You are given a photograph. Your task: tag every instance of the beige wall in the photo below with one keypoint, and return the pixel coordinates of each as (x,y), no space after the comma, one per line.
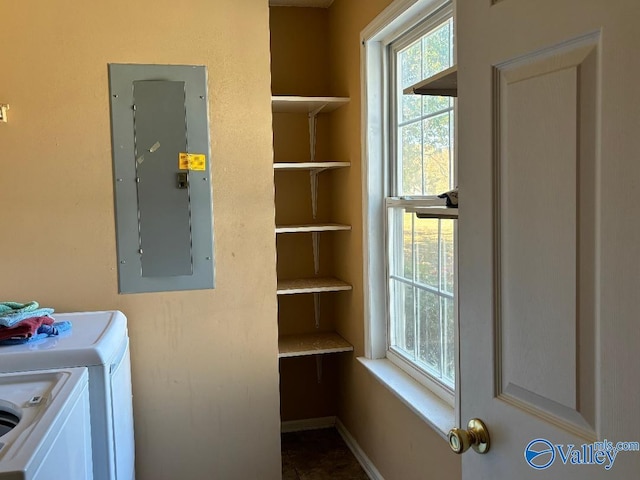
(401,445)
(299,54)
(205,377)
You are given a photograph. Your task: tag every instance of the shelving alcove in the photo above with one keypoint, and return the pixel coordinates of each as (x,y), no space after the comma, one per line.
(315,342)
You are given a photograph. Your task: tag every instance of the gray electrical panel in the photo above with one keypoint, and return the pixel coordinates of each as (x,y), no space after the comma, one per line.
(162,184)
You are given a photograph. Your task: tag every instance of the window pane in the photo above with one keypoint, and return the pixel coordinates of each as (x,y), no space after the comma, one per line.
(411,159)
(430,348)
(446,256)
(437,159)
(426,156)
(407,244)
(428,328)
(412,106)
(410,62)
(426,247)
(403,333)
(452,181)
(401,243)
(449,368)
(436,50)
(431,104)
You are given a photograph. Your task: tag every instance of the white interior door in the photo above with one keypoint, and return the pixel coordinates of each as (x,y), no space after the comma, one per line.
(549,244)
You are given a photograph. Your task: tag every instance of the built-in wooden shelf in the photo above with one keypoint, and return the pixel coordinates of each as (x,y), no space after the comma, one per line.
(310,165)
(434,212)
(444,84)
(312,344)
(312,227)
(311,285)
(295,104)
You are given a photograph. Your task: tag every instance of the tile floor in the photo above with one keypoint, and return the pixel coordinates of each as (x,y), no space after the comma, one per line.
(318,455)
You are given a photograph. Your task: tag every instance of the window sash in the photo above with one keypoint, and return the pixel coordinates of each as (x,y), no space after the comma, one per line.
(433,375)
(434,21)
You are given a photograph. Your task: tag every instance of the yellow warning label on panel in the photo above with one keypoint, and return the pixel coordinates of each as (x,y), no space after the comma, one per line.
(197,161)
(183,161)
(192,161)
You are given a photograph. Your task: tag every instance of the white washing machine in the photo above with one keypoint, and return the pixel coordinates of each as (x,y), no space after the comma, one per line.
(45,431)
(100,342)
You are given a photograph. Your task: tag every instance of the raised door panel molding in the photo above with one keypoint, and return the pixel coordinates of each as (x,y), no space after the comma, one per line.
(545,165)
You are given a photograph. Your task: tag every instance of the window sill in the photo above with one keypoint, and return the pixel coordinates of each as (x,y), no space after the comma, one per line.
(420,400)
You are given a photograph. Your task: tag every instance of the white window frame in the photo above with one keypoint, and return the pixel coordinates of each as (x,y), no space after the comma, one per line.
(400,17)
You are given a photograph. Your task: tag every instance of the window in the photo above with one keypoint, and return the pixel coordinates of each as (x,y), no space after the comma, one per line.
(418,163)
(421,252)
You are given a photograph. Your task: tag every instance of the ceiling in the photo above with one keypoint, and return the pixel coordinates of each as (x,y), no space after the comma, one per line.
(301,3)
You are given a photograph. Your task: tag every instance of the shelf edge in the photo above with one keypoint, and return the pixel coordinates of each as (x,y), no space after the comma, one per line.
(444,83)
(311,228)
(311,344)
(310,165)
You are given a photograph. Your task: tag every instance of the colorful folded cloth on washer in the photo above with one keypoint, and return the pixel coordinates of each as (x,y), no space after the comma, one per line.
(9,319)
(45,331)
(15,307)
(26,328)
(50,330)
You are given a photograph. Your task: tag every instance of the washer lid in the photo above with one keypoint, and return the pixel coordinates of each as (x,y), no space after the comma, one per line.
(94,339)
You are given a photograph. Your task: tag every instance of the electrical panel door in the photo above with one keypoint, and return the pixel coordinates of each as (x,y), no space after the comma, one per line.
(161,165)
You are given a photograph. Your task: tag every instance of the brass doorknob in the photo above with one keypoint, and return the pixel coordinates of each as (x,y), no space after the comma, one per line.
(476,436)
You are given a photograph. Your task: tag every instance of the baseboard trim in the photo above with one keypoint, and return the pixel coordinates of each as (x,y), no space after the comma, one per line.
(307,424)
(367,465)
